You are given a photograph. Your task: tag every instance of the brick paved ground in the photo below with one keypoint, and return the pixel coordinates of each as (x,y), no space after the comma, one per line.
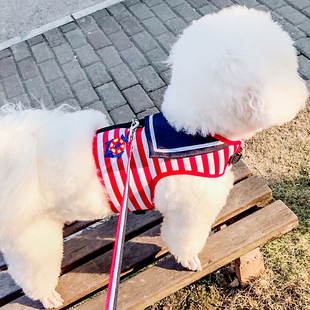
(113,60)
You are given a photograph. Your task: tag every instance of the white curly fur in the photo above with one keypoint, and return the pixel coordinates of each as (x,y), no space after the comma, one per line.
(233,73)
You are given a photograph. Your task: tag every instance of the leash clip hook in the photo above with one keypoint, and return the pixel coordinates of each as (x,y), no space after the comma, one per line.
(134,125)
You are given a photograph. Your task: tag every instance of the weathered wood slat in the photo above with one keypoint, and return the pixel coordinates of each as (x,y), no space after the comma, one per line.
(241,171)
(84,245)
(75,227)
(252,191)
(222,247)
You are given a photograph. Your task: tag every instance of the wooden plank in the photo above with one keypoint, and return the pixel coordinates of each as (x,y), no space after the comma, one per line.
(81,248)
(2,262)
(102,236)
(222,248)
(95,274)
(75,227)
(241,171)
(250,192)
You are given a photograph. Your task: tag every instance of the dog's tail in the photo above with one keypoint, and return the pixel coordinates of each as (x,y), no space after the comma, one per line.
(20,199)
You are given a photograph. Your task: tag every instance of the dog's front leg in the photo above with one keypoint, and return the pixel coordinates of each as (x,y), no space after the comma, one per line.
(190,205)
(34,260)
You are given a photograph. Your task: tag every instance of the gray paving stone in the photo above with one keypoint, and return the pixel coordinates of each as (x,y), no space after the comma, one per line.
(150,3)
(38,92)
(110,56)
(208,9)
(294,32)
(131,25)
(101,13)
(68,27)
(158,59)
(35,40)
(163,12)
(7,67)
(97,74)
(247,3)
(166,76)
(13,86)
(119,11)
(157,96)
(154,26)
(147,112)
(108,25)
(149,79)
(110,96)
(123,77)
(134,58)
(129,3)
(307,11)
(176,25)
(84,93)
(120,40)
(72,103)
(98,105)
(299,4)
(50,70)
(5,53)
(198,3)
(304,66)
(27,68)
(86,55)
(303,45)
(166,40)
(264,9)
(273,4)
(73,72)
(20,51)
(144,41)
(60,90)
(173,3)
(54,37)
(41,52)
(76,38)
(305,27)
(222,3)
(3,98)
(141,11)
(187,12)
(24,99)
(292,15)
(122,114)
(63,53)
(137,98)
(87,24)
(98,39)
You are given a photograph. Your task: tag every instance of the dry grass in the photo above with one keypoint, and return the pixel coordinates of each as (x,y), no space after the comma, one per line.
(281,156)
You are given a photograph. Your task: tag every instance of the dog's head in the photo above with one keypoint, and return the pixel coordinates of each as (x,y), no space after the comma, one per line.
(233,73)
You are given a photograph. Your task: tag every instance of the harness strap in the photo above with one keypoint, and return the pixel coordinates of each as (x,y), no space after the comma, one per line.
(116,264)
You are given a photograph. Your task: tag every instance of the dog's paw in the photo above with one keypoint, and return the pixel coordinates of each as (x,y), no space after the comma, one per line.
(192,263)
(54,300)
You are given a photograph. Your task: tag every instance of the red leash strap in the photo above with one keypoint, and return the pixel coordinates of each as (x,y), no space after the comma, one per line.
(116,264)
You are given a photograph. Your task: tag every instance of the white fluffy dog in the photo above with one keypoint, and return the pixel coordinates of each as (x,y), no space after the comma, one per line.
(233,74)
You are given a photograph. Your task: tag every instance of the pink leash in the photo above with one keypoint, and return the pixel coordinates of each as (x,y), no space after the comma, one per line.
(116,264)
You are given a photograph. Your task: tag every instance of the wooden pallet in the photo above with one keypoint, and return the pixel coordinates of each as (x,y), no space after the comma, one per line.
(248,220)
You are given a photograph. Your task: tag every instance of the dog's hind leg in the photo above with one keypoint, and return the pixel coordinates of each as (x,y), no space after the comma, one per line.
(34,260)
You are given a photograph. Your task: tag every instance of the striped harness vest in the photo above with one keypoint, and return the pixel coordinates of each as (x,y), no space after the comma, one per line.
(158,151)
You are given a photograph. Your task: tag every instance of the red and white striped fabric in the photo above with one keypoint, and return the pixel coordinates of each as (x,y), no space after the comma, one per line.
(146,171)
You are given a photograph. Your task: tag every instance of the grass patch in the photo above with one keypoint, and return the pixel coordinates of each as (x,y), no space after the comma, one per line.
(281,156)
